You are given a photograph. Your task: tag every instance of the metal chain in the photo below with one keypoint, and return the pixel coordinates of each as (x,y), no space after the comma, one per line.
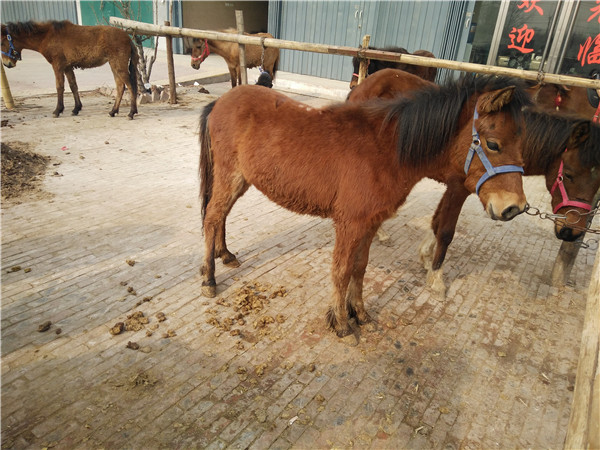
(570,218)
(592,243)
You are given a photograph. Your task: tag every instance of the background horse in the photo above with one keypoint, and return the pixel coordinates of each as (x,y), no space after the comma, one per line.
(256,56)
(67,46)
(355,163)
(427,73)
(569,99)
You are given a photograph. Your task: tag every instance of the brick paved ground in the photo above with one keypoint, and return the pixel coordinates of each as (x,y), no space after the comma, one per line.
(491,366)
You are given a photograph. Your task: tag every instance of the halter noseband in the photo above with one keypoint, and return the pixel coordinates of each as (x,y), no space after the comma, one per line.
(204,54)
(490,170)
(12,52)
(563,192)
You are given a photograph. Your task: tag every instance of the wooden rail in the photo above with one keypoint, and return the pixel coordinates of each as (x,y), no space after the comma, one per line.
(160,30)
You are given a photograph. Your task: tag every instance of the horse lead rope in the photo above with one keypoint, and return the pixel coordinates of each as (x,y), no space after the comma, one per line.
(490,170)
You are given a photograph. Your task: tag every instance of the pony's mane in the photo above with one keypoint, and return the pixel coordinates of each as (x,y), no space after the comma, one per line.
(431,117)
(589,153)
(31,27)
(546,136)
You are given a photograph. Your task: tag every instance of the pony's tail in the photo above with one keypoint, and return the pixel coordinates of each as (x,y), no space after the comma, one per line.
(133,68)
(205,169)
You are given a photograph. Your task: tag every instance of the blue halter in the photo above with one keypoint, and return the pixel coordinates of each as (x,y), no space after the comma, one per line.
(490,169)
(12,53)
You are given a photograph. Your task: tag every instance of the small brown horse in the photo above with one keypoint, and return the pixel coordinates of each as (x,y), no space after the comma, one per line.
(256,56)
(67,46)
(355,163)
(375,65)
(566,150)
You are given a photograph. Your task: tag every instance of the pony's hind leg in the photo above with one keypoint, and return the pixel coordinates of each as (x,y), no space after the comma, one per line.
(221,250)
(224,196)
(121,75)
(74,89)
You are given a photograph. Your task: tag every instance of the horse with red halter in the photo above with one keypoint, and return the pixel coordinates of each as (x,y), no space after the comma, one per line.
(356,163)
(375,65)
(584,102)
(256,56)
(572,176)
(67,46)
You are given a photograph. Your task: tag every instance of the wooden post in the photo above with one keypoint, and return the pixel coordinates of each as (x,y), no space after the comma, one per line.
(6,94)
(364,63)
(583,430)
(171,67)
(239,20)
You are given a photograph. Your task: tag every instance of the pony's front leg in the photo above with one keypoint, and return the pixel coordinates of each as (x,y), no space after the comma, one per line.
(233,75)
(347,241)
(355,288)
(445,220)
(60,91)
(75,90)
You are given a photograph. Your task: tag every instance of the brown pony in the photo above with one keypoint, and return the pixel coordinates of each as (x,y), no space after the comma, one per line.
(387,83)
(67,46)
(547,136)
(375,65)
(355,163)
(256,56)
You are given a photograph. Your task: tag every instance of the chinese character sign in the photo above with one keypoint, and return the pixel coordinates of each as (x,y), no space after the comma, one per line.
(589,51)
(521,37)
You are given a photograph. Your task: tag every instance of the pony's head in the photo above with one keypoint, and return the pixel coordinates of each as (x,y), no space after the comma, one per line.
(494,164)
(200,51)
(577,181)
(10,53)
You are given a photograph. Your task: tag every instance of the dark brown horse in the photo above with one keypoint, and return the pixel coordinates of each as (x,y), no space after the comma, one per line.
(356,163)
(568,99)
(67,46)
(547,136)
(256,56)
(427,73)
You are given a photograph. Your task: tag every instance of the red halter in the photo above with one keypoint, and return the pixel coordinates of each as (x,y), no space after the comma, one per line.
(204,54)
(563,192)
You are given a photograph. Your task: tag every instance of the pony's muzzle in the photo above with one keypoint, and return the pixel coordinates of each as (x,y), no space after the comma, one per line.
(504,209)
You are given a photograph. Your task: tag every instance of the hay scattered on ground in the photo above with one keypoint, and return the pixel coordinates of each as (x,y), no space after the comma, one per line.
(22,171)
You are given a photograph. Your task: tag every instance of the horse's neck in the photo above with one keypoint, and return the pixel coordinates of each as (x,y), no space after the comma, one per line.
(218,47)
(34,40)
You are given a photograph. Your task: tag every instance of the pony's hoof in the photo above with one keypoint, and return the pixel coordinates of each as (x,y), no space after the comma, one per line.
(112,114)
(233,263)
(209,291)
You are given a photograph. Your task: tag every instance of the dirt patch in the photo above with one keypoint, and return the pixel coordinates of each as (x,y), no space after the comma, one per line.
(22,172)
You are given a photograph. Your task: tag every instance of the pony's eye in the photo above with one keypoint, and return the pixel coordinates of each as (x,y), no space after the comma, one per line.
(493,146)
(568,177)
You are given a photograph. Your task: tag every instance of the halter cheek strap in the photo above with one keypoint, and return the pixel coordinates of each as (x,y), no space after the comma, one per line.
(12,52)
(563,192)
(204,54)
(490,170)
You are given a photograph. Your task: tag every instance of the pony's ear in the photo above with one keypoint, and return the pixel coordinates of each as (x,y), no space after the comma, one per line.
(495,100)
(579,135)
(4,31)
